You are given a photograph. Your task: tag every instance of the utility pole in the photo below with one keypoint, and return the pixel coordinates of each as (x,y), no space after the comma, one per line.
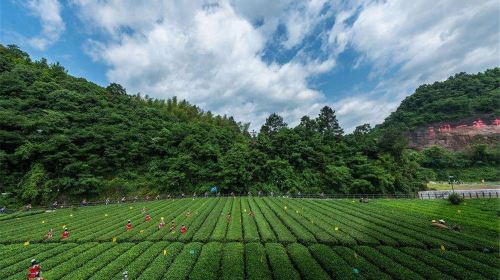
(450,181)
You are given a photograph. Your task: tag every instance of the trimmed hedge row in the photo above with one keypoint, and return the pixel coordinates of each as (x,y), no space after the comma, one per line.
(389,266)
(282,232)
(301,232)
(98,262)
(21,266)
(233,263)
(208,264)
(142,262)
(360,265)
(250,232)
(183,219)
(161,263)
(203,234)
(256,262)
(281,266)
(116,267)
(49,263)
(219,233)
(331,262)
(471,265)
(308,267)
(177,213)
(442,264)
(420,226)
(322,230)
(489,259)
(381,232)
(64,268)
(396,222)
(20,255)
(265,231)
(414,264)
(234,231)
(359,233)
(199,219)
(184,262)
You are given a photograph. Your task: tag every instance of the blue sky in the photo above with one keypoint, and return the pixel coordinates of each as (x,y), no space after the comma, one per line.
(252,58)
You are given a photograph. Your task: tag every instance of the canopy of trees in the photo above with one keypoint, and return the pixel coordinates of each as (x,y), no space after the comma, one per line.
(62,136)
(459,97)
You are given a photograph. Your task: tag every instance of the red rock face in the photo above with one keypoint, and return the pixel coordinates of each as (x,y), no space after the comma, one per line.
(456,136)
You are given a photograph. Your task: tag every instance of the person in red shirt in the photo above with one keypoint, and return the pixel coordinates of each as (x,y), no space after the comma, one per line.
(34,269)
(65,234)
(129,225)
(49,235)
(172,226)
(148,217)
(162,224)
(183,229)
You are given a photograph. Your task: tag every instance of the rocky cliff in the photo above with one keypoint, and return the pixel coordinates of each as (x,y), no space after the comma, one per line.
(457,135)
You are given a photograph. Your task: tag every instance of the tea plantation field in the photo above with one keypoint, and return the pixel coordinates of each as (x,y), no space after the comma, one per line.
(265,238)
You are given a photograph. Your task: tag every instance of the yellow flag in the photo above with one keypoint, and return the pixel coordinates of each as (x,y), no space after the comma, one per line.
(286,207)
(43,222)
(26,243)
(165,252)
(459,211)
(63,226)
(261,258)
(244,210)
(105,215)
(433,221)
(297,211)
(442,248)
(131,207)
(71,215)
(114,239)
(142,231)
(337,228)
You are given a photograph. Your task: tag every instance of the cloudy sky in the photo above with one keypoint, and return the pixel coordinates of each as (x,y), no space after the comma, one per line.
(250,58)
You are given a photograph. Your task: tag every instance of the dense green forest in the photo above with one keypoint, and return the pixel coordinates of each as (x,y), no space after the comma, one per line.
(67,138)
(460,97)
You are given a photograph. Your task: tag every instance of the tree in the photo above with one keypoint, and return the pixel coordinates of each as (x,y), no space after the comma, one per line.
(273,123)
(328,124)
(115,88)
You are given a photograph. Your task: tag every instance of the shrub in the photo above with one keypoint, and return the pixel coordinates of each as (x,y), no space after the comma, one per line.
(280,263)
(233,264)
(455,199)
(256,262)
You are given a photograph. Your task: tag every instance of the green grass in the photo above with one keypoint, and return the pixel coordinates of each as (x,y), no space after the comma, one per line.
(285,239)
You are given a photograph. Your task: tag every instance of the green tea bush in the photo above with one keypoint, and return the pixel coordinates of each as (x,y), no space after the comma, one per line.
(455,199)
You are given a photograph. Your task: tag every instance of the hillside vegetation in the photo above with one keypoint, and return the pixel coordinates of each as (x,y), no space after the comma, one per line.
(462,97)
(459,97)
(63,137)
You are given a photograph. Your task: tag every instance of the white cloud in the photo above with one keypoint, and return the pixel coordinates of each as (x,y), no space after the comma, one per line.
(49,13)
(210,55)
(409,43)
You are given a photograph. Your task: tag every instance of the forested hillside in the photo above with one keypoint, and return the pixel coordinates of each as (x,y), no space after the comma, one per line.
(463,110)
(459,97)
(65,137)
